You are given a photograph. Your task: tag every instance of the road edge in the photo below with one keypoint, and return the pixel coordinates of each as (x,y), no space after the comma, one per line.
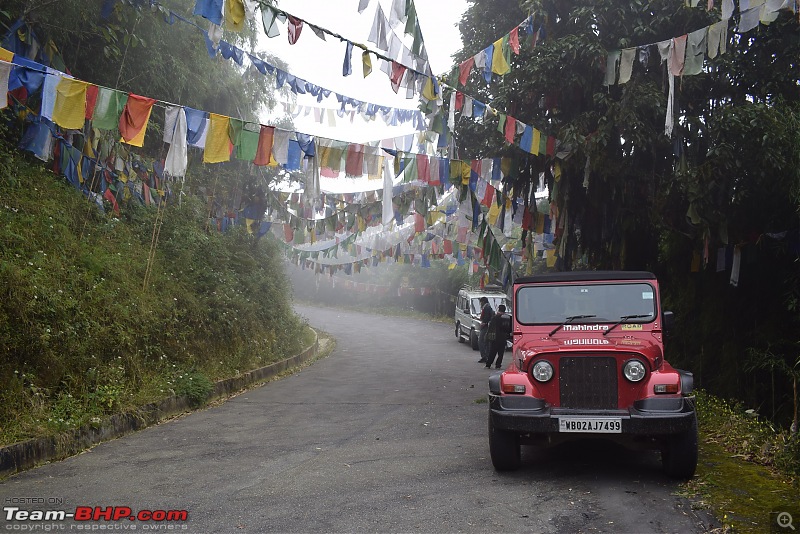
(37,451)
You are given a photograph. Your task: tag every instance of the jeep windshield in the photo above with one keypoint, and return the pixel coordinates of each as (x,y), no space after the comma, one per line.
(598,303)
(494,302)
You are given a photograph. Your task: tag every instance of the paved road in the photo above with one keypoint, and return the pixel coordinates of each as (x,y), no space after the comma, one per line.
(387,434)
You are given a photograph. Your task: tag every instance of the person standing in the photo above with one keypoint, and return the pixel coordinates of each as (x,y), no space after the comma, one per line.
(500,330)
(486,315)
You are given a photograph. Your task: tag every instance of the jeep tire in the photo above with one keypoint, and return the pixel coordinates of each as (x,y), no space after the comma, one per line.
(504,448)
(458,333)
(473,339)
(679,455)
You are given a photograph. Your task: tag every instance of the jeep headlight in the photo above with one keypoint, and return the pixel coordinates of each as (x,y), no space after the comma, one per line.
(634,370)
(542,371)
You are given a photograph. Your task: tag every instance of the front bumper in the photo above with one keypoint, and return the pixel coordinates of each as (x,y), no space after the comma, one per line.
(648,417)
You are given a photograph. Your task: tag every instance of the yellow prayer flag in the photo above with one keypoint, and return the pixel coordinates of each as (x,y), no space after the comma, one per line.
(539,223)
(557,171)
(323,154)
(537,139)
(428,92)
(465,172)
(366,63)
(234,15)
(69,110)
(455,170)
(551,258)
(6,55)
(218,145)
(494,213)
(499,64)
(505,166)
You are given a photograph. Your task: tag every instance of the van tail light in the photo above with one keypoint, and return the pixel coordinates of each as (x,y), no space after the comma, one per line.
(514,388)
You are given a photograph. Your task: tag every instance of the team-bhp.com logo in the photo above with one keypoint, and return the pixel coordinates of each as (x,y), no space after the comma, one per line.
(95,513)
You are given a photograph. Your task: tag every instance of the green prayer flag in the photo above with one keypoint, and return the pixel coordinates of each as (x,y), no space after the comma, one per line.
(248,145)
(108,108)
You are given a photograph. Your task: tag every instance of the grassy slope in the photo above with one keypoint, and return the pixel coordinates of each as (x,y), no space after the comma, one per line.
(746,468)
(80,337)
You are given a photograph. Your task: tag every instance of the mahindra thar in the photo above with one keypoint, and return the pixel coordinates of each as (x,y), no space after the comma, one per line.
(588,361)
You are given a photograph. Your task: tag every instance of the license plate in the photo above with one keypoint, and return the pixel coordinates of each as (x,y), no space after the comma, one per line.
(595,425)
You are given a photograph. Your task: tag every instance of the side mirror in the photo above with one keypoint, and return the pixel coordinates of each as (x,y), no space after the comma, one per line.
(668,319)
(466,310)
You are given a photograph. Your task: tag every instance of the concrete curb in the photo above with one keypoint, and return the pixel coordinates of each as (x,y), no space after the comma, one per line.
(28,454)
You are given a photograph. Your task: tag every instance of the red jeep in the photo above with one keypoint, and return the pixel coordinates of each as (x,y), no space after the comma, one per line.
(588,361)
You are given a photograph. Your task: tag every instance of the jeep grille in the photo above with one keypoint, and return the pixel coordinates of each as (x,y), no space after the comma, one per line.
(588,382)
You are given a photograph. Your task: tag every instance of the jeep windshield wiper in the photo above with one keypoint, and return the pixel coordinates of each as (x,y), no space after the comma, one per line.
(623,319)
(569,320)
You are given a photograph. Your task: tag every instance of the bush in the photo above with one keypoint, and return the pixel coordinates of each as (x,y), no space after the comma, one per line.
(756,440)
(194,385)
(81,336)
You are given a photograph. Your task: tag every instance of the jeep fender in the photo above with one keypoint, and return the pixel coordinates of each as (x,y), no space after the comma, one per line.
(494,384)
(687,382)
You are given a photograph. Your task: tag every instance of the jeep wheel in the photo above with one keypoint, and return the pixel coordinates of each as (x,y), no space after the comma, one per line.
(473,339)
(503,448)
(679,456)
(458,333)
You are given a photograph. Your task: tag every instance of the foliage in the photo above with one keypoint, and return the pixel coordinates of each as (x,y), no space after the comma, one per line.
(742,493)
(194,385)
(136,50)
(757,440)
(629,197)
(80,337)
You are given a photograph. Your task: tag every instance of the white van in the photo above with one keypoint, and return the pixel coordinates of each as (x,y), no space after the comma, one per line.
(468,311)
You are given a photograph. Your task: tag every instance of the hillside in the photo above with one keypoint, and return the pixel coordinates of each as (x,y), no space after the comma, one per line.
(82,335)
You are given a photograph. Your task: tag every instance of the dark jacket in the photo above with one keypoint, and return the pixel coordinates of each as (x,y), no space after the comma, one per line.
(487,313)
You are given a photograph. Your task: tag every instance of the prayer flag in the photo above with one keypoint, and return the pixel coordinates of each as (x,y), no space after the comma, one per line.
(133,121)
(69,110)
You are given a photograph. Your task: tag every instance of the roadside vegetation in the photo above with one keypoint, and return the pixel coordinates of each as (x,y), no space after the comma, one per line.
(82,336)
(747,467)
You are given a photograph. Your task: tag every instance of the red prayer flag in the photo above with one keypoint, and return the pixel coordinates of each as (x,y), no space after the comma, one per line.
(551,146)
(146,194)
(109,195)
(448,246)
(354,164)
(295,26)
(463,70)
(91,100)
(513,40)
(459,100)
(527,220)
(134,116)
(419,223)
(397,75)
(489,196)
(476,165)
(264,150)
(511,129)
(423,168)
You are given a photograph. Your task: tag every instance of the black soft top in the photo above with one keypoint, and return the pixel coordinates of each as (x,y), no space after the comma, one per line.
(585,276)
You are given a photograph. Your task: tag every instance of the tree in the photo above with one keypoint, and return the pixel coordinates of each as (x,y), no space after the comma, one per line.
(631,197)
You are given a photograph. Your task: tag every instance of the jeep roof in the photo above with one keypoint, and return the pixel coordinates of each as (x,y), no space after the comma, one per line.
(585,276)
